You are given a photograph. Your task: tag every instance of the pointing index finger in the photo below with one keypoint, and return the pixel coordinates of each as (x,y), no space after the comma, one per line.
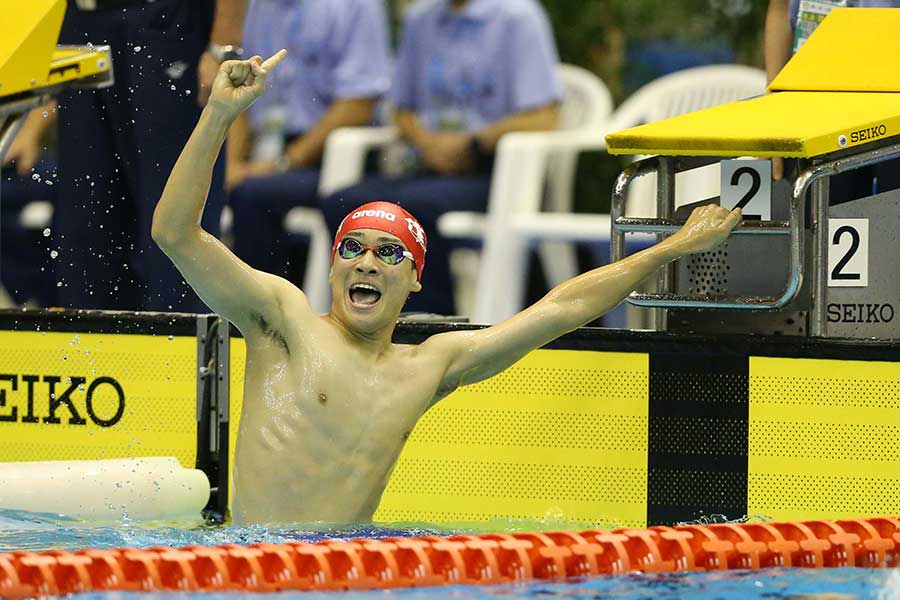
(273,60)
(733,218)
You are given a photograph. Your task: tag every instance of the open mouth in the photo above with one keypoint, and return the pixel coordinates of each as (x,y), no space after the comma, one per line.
(364,295)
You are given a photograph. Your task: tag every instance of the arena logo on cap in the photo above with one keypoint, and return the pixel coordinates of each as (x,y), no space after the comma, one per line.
(374,213)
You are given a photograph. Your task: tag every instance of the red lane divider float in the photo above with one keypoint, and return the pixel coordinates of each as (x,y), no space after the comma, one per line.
(460,559)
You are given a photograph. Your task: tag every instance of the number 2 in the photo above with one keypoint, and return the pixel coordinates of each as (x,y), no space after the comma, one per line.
(848,264)
(747,184)
(854,246)
(755,181)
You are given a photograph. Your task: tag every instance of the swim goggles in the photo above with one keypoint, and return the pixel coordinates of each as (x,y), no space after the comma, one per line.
(390,254)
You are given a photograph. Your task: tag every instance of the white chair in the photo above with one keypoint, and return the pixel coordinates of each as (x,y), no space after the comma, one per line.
(586,104)
(516,225)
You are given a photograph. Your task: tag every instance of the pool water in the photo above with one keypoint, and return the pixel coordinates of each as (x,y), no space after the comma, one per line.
(35,532)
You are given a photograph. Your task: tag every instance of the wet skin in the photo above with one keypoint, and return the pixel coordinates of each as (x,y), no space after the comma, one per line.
(329,400)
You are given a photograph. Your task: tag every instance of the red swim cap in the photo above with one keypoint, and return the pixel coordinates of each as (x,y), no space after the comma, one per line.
(390,218)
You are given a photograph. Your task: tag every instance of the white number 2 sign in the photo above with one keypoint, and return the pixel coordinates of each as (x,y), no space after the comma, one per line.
(747,184)
(848,252)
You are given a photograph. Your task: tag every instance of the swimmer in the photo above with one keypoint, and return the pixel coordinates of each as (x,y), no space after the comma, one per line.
(329,400)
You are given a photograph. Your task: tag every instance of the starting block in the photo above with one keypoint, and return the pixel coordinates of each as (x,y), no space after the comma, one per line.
(823,270)
(33,68)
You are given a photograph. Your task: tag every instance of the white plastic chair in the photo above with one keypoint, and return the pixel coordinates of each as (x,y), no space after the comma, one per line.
(586,104)
(517,225)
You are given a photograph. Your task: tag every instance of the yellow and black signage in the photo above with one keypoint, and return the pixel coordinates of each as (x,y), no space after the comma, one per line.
(665,430)
(601,428)
(77,396)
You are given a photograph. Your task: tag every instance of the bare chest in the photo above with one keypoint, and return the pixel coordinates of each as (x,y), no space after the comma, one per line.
(337,398)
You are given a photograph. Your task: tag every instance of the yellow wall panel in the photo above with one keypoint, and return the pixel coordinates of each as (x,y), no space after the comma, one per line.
(157,376)
(561,436)
(824,437)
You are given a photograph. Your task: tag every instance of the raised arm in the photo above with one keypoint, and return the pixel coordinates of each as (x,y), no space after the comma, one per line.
(229,286)
(475,355)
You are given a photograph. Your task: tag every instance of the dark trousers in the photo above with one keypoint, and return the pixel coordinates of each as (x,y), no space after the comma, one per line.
(117,147)
(259,205)
(427,197)
(26,265)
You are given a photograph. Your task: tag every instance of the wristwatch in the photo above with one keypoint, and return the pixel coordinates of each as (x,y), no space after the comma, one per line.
(226,52)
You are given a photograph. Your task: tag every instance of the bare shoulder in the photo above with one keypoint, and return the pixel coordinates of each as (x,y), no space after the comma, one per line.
(428,363)
(287,307)
(444,352)
(447,345)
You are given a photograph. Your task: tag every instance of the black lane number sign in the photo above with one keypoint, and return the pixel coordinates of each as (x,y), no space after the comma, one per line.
(747,184)
(848,252)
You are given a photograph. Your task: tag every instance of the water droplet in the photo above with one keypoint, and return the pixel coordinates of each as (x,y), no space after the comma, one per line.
(54,254)
(172,87)
(137,48)
(171,337)
(187,92)
(36,177)
(45,114)
(48,182)
(47,232)
(59,284)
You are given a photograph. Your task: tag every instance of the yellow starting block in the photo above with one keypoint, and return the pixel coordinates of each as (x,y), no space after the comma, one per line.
(33,68)
(788,124)
(839,91)
(835,107)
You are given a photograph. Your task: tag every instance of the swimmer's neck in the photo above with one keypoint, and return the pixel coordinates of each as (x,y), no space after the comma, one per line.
(373,342)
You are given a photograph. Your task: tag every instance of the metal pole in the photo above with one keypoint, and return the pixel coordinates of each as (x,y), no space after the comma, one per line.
(223,407)
(665,209)
(819,258)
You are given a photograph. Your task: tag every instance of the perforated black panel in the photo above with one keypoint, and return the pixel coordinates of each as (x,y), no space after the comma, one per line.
(697,458)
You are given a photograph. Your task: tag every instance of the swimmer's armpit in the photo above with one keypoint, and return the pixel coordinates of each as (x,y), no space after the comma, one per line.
(270,331)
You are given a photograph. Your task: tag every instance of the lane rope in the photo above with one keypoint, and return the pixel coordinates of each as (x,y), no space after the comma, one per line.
(460,559)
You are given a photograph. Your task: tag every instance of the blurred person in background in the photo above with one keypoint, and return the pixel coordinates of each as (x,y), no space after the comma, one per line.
(336,70)
(28,176)
(467,72)
(118,144)
(789,23)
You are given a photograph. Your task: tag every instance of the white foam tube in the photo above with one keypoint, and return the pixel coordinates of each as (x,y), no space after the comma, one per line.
(154,488)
